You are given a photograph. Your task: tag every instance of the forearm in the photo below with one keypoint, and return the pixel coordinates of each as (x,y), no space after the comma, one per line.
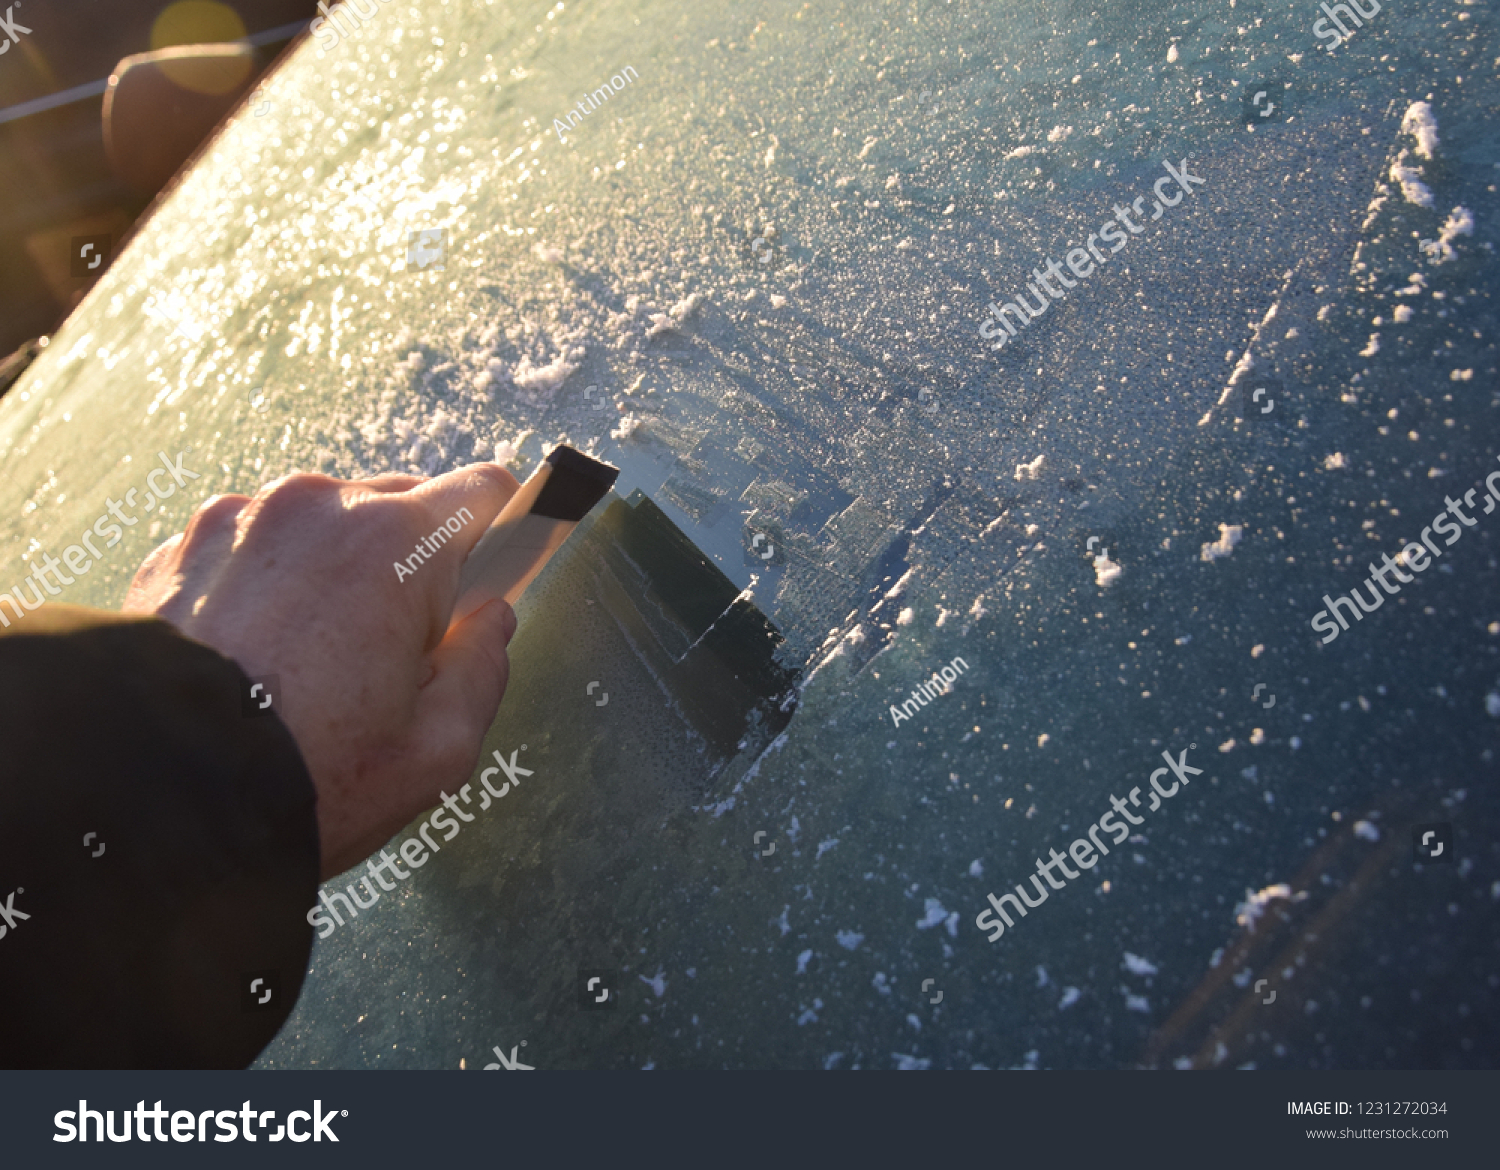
(202,860)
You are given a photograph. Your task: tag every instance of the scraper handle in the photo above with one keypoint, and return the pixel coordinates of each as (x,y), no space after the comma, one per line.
(531,527)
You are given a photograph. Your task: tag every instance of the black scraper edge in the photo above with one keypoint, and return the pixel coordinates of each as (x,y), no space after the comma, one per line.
(575,484)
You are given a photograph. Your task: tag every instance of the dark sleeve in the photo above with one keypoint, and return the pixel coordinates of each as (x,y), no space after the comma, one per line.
(124,732)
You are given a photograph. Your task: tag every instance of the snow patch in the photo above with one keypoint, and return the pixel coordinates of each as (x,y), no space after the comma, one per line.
(936,913)
(627,427)
(1229,536)
(1255,903)
(1139,966)
(657,983)
(1413,190)
(1460,222)
(1420,122)
(544,380)
(506,451)
(1106,572)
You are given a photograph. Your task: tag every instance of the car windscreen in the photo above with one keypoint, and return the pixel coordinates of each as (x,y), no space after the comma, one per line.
(1046,616)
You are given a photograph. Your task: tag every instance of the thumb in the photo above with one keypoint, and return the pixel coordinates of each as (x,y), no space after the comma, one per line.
(470,668)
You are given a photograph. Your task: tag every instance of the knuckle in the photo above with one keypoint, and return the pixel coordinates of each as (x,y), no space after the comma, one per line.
(292,503)
(217,507)
(213,516)
(295,491)
(158,561)
(163,552)
(499,475)
(491,477)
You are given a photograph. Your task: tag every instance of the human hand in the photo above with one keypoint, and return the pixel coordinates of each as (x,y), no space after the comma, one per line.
(387,701)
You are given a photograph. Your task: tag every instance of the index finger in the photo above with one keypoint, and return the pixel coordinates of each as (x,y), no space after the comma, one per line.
(472,495)
(458,507)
